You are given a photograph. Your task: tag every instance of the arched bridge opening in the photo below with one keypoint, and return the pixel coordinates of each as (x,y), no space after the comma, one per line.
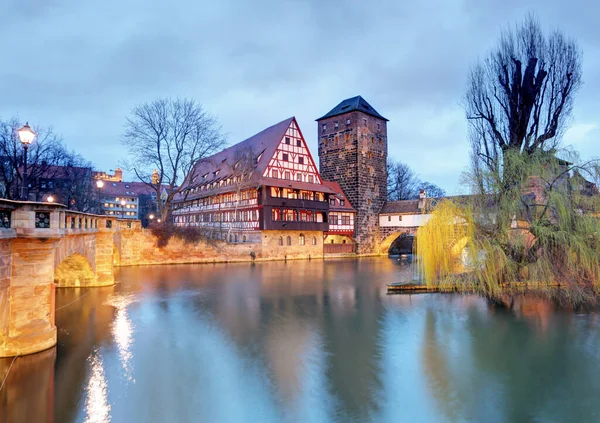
(75,270)
(398,243)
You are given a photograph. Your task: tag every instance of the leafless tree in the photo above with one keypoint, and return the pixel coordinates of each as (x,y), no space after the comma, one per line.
(520,97)
(169,135)
(402,181)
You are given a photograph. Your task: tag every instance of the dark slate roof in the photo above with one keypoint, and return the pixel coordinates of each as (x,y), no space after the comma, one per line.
(412,206)
(401,207)
(351,104)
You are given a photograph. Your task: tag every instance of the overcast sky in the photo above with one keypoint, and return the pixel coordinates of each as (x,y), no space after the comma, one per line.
(81,66)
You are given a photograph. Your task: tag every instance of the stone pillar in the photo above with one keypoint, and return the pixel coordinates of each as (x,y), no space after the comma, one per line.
(30,326)
(104,258)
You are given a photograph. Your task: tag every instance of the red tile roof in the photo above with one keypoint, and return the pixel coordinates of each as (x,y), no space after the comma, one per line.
(335,187)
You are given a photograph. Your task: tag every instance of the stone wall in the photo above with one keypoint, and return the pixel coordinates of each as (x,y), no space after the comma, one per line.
(355,155)
(271,248)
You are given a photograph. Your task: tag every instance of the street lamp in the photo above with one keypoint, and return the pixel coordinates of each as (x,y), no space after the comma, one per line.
(50,199)
(151,217)
(123,202)
(26,136)
(99,185)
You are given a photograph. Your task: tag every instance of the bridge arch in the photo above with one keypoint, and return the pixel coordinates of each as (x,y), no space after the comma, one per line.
(401,242)
(75,270)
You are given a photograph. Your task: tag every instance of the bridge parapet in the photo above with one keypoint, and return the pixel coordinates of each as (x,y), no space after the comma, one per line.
(43,245)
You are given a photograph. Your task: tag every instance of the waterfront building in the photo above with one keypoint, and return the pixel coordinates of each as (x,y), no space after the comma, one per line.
(353,152)
(266,189)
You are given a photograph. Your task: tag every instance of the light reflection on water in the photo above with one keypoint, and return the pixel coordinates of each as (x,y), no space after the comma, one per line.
(312,341)
(97,407)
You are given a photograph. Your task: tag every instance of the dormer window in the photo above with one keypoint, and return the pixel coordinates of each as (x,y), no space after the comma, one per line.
(342,202)
(216,172)
(205,176)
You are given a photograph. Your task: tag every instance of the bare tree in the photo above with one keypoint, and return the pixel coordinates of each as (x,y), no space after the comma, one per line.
(404,184)
(402,181)
(169,135)
(519,98)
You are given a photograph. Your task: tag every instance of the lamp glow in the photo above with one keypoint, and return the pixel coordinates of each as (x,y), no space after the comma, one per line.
(26,134)
(99,183)
(50,199)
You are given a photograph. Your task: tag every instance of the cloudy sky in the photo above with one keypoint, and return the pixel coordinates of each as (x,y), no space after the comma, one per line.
(81,66)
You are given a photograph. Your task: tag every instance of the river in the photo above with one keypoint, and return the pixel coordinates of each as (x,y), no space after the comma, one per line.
(302,341)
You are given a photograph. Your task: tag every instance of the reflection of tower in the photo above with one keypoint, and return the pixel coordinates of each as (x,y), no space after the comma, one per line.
(353,153)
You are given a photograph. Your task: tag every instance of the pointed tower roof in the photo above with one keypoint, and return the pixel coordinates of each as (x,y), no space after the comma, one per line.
(352,104)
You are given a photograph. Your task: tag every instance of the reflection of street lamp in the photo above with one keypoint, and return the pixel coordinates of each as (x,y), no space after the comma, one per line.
(99,185)
(123,202)
(26,136)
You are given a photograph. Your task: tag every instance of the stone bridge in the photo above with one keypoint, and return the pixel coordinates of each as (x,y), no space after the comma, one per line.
(44,246)
(390,234)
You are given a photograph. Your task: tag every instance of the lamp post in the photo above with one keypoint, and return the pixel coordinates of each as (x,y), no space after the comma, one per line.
(26,136)
(122,207)
(99,185)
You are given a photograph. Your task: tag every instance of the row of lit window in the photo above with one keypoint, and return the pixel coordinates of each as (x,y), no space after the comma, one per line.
(112,206)
(118,213)
(291,215)
(223,182)
(294,194)
(301,240)
(335,219)
(126,199)
(219,199)
(300,177)
(240,216)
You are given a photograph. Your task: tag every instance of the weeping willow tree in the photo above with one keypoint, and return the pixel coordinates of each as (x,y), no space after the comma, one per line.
(532,218)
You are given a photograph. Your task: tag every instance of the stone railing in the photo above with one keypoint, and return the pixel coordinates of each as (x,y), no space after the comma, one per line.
(26,219)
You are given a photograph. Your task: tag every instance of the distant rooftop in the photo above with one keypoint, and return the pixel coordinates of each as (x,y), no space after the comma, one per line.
(353,104)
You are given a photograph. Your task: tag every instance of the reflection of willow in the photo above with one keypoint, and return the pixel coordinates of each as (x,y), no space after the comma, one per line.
(437,368)
(535,372)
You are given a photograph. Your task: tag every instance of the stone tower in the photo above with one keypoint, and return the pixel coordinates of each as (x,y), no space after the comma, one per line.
(353,152)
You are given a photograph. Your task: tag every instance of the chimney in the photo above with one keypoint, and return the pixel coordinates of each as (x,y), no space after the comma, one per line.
(422,199)
(118,174)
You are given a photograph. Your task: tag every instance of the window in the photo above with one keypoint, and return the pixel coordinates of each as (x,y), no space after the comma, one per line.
(335,125)
(274,174)
(281,241)
(369,201)
(377,126)
(288,175)
(276,214)
(311,179)
(324,127)
(287,140)
(301,160)
(332,201)
(345,220)
(299,177)
(342,202)
(289,240)
(389,218)
(314,240)
(286,157)
(347,135)
(348,122)
(373,140)
(301,239)
(244,238)
(275,192)
(400,218)
(364,122)
(298,143)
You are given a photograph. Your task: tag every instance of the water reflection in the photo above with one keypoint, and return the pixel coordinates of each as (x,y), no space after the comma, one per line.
(312,341)
(96,404)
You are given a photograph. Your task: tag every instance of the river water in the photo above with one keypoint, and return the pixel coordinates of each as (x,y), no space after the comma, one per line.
(302,341)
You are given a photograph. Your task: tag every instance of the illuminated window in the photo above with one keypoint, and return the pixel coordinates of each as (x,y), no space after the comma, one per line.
(274,174)
(314,237)
(311,179)
(301,239)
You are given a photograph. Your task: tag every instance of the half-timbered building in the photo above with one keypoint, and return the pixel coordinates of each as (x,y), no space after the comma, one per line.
(265,189)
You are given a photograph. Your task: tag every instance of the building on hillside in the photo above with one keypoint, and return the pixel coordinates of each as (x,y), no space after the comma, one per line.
(264,190)
(127,199)
(353,153)
(116,177)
